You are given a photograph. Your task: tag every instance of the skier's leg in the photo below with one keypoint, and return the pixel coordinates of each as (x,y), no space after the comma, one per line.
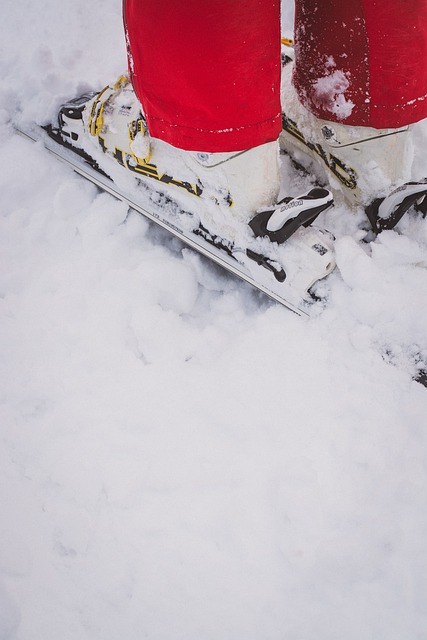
(207,74)
(362,62)
(208,81)
(360,75)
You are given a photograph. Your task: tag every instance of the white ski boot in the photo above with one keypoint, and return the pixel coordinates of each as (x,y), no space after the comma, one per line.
(229,184)
(365,166)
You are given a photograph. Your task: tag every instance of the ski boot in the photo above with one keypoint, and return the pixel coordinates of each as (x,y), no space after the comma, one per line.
(363,165)
(110,128)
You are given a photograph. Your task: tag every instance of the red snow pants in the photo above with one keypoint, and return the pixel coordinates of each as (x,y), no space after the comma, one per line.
(371,53)
(207,72)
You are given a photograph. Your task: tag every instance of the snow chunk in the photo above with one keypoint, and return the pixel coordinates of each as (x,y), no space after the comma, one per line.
(329,94)
(140,146)
(173,283)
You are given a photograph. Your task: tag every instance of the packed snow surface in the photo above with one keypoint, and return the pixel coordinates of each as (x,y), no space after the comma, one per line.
(181,459)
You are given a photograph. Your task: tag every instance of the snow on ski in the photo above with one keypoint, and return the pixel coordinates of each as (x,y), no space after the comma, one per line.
(237,260)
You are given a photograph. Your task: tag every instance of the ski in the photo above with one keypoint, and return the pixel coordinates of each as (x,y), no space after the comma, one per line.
(266,271)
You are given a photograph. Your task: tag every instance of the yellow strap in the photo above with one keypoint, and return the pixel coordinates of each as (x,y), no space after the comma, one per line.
(122,81)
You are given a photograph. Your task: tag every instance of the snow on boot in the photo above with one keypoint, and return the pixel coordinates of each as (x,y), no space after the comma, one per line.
(362,163)
(110,128)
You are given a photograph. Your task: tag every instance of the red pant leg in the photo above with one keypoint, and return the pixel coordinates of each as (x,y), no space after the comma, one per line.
(362,62)
(207,72)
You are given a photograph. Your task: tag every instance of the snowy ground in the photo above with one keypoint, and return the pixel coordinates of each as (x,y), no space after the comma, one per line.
(181,459)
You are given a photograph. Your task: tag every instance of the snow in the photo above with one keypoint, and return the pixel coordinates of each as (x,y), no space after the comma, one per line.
(329,93)
(179,457)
